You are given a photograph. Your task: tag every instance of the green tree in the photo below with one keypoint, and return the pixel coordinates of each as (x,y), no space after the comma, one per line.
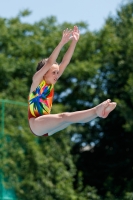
(39,168)
(108,166)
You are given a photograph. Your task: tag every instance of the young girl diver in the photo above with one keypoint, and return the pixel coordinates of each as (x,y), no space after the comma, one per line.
(41,122)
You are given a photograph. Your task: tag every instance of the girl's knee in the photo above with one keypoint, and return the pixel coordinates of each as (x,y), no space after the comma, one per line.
(64,116)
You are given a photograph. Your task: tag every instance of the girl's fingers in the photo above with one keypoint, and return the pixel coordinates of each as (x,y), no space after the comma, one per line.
(64,32)
(67,33)
(75,28)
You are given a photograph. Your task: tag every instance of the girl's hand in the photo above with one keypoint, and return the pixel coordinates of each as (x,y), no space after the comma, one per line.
(75,33)
(67,36)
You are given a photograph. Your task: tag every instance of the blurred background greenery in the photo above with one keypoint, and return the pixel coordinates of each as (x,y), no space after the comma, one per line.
(92,161)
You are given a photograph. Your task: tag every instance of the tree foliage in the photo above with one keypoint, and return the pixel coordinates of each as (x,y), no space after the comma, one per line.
(84,161)
(110,161)
(34,167)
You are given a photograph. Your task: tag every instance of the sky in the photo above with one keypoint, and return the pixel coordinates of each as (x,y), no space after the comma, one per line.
(94,12)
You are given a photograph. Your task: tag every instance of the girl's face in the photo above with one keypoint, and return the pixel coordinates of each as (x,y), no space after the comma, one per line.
(52,74)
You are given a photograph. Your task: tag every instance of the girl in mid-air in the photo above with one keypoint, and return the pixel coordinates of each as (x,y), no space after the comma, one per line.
(41,122)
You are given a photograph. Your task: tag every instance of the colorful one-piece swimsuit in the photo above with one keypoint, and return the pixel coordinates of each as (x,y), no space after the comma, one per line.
(40,101)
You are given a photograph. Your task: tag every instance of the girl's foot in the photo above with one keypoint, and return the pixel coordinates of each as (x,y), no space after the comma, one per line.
(103,109)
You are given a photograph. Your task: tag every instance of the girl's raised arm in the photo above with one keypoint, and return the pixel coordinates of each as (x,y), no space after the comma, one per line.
(51,60)
(68,55)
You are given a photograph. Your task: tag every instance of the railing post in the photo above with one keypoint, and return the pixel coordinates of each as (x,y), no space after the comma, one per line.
(2,117)
(1,135)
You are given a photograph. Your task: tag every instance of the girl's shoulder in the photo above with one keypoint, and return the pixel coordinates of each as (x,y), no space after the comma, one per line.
(34,85)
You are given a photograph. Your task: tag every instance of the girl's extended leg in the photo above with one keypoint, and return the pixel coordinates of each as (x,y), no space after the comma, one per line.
(59,128)
(56,122)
